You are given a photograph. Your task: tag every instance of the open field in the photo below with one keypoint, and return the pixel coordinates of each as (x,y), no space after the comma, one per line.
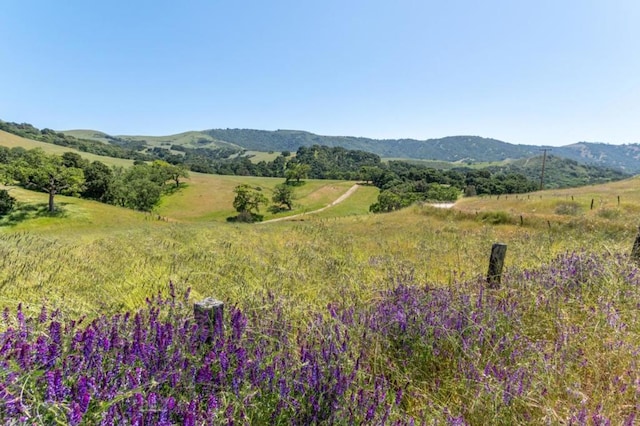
(258,156)
(344,245)
(11,141)
(600,203)
(210,197)
(557,343)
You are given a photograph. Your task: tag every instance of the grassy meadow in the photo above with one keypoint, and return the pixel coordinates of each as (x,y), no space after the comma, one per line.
(556,344)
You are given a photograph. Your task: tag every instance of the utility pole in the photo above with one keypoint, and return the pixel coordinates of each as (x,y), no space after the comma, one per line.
(544,159)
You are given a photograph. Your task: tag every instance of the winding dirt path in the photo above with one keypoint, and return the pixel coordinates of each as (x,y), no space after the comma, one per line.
(338,200)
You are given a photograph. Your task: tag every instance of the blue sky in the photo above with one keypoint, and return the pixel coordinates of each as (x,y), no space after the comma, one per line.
(536,72)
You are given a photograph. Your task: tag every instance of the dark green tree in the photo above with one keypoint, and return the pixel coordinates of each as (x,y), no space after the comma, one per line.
(142,185)
(98,179)
(6,202)
(144,194)
(296,171)
(176,172)
(283,195)
(247,202)
(36,170)
(72,159)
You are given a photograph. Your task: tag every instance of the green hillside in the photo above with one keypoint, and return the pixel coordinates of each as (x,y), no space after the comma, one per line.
(209,145)
(11,141)
(560,172)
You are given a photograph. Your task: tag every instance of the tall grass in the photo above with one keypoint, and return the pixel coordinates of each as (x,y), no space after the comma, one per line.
(556,344)
(356,319)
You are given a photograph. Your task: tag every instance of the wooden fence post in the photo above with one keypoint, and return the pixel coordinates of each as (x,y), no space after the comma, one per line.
(635,251)
(591,204)
(208,314)
(496,262)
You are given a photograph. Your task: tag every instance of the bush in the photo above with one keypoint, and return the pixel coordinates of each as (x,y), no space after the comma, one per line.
(571,208)
(7,202)
(495,218)
(609,213)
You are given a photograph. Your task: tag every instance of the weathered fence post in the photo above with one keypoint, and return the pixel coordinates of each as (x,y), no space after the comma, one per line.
(618,201)
(496,262)
(591,204)
(635,251)
(208,314)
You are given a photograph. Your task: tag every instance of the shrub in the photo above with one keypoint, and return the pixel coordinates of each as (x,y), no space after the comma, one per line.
(495,218)
(609,213)
(7,202)
(568,208)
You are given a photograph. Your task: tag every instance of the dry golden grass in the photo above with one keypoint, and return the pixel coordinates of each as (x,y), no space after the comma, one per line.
(545,203)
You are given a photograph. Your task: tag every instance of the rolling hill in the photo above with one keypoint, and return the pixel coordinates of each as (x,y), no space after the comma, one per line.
(560,172)
(462,149)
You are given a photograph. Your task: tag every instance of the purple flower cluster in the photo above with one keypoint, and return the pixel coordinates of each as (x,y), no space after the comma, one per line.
(573,272)
(440,340)
(158,366)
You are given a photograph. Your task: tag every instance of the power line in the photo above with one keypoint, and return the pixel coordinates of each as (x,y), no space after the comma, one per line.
(544,160)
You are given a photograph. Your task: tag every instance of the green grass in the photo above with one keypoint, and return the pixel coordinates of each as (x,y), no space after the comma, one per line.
(356,205)
(210,197)
(95,135)
(258,156)
(124,254)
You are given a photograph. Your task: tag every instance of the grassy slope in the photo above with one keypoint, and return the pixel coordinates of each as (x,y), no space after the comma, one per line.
(189,139)
(95,135)
(257,156)
(210,197)
(549,204)
(12,141)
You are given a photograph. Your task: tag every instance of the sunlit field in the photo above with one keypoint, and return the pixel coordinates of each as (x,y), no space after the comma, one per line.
(340,317)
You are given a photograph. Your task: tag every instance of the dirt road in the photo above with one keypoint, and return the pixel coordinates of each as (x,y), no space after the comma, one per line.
(337,201)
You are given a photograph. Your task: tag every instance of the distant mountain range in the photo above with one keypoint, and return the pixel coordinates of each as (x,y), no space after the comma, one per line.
(471,149)
(462,149)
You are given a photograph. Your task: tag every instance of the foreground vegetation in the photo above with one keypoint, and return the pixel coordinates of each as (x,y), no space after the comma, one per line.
(463,354)
(353,319)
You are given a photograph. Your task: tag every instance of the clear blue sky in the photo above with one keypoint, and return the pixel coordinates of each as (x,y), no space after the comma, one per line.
(538,72)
